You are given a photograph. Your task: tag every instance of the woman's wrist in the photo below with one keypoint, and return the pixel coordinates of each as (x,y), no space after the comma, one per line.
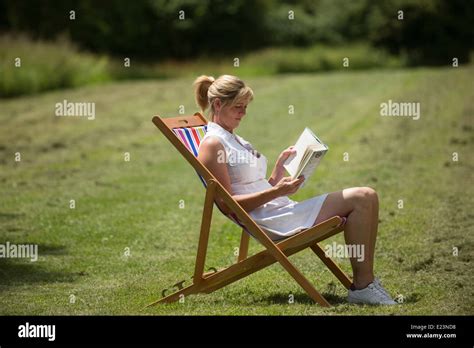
(274,192)
(273,180)
(252,201)
(277,174)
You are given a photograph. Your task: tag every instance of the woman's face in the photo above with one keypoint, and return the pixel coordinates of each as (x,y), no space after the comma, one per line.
(229,116)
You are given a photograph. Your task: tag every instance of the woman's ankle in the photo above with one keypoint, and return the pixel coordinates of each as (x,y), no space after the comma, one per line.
(362,282)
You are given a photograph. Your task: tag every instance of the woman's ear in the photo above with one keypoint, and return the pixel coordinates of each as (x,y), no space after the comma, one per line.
(217,105)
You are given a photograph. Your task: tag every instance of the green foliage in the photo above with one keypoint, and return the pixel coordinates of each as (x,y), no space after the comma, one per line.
(322,21)
(60,64)
(321,58)
(46,65)
(431,32)
(282,30)
(146,29)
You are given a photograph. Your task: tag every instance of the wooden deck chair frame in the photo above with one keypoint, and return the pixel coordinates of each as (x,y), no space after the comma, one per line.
(279,251)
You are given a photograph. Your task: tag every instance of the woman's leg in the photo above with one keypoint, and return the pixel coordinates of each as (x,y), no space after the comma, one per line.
(375,224)
(360,206)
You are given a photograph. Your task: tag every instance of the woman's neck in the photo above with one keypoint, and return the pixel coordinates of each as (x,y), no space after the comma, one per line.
(225,127)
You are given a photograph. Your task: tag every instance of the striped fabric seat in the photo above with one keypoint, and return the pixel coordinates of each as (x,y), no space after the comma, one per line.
(191,137)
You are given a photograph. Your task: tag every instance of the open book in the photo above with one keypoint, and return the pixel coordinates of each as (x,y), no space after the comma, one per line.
(309,152)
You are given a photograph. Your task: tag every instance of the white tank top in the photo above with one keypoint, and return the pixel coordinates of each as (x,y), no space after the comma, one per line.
(247,168)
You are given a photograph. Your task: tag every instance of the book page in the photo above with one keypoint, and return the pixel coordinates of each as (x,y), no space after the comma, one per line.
(304,161)
(311,164)
(296,163)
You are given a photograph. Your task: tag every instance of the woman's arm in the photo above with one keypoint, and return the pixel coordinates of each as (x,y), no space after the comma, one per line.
(279,171)
(209,152)
(284,187)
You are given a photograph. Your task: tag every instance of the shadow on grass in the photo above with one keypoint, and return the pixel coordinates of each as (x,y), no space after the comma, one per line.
(43,249)
(10,216)
(303,298)
(52,249)
(22,271)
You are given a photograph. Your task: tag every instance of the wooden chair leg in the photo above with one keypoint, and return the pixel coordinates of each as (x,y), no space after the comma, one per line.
(192,289)
(205,229)
(238,271)
(333,267)
(304,283)
(252,265)
(244,246)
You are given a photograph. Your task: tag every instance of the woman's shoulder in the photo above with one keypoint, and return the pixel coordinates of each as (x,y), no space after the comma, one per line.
(210,149)
(211,142)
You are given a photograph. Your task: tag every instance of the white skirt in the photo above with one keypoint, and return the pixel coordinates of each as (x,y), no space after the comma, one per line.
(283,217)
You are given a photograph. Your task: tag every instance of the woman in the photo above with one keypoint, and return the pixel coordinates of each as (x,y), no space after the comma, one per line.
(242,171)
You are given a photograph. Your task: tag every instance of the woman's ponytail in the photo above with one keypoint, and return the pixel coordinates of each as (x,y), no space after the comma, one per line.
(201,87)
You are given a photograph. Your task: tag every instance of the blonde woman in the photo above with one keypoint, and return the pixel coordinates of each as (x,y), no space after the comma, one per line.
(242,171)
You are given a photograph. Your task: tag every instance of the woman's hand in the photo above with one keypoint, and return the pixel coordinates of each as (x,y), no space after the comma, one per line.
(287,186)
(284,156)
(279,171)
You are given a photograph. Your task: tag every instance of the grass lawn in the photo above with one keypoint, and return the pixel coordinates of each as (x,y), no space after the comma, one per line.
(133,208)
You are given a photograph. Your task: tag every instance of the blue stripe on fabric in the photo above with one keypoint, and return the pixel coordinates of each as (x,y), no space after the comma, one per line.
(190,140)
(202,180)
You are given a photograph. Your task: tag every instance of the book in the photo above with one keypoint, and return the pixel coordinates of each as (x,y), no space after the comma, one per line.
(310,150)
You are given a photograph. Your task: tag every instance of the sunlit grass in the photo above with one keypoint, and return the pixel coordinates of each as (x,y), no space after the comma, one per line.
(135,204)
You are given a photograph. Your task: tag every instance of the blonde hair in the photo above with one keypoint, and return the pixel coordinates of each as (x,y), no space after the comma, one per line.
(229,89)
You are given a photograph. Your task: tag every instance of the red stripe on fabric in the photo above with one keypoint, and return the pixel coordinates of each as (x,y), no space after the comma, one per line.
(196,137)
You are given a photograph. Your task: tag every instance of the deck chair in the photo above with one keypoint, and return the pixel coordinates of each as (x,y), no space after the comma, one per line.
(185,133)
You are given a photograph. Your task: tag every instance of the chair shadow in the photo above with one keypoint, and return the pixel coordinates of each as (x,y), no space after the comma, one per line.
(22,271)
(51,249)
(10,216)
(303,298)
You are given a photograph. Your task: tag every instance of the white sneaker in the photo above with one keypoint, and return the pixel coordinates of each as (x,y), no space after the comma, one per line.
(370,295)
(378,284)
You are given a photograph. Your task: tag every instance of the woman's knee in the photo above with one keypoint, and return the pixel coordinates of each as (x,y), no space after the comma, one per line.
(363,197)
(334,204)
(343,202)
